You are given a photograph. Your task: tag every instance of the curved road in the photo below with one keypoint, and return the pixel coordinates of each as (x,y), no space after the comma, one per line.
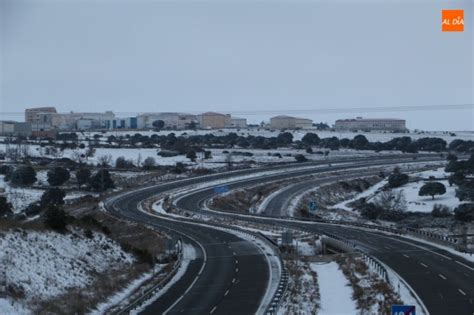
(442,280)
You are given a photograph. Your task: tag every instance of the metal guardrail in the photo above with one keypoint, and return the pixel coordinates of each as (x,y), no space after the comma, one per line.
(148,294)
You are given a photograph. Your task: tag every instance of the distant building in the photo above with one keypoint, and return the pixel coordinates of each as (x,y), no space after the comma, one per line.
(368,124)
(43,130)
(122,123)
(236,122)
(14,128)
(211,120)
(289,122)
(170,120)
(34,115)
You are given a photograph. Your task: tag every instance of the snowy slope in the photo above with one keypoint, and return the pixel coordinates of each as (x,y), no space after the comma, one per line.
(46,264)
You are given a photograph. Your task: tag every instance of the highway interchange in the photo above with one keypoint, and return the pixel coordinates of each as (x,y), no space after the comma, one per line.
(231,274)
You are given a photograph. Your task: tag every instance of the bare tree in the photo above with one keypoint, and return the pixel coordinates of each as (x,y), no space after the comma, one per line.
(392,201)
(105,160)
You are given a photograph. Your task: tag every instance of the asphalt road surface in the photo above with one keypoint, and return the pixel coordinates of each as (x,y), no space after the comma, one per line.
(444,282)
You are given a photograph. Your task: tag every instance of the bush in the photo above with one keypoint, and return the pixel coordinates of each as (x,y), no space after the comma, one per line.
(123,163)
(23,176)
(191,155)
(300,158)
(464,212)
(149,163)
(432,189)
(397,180)
(5,207)
(58,176)
(83,176)
(101,181)
(441,211)
(53,196)
(55,218)
(179,168)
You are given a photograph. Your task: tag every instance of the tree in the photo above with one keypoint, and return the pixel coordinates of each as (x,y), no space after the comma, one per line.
(55,218)
(105,160)
(397,180)
(5,207)
(310,139)
(191,155)
(388,200)
(101,181)
(149,163)
(53,196)
(23,176)
(285,138)
(158,124)
(58,176)
(83,176)
(309,150)
(465,191)
(432,189)
(123,163)
(359,142)
(456,178)
(464,212)
(451,157)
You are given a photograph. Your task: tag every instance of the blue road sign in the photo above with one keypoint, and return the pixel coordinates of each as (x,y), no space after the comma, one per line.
(312,206)
(403,310)
(221,189)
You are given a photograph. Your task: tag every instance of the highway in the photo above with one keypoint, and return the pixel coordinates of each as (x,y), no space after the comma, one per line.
(443,281)
(228,269)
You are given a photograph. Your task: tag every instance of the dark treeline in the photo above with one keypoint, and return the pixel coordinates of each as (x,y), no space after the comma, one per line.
(284,139)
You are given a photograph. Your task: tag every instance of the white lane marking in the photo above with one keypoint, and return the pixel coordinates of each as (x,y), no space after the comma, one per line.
(442,277)
(424,265)
(233,280)
(236,262)
(226,292)
(236,269)
(462,292)
(387,247)
(406,256)
(213,310)
(458,262)
(234,253)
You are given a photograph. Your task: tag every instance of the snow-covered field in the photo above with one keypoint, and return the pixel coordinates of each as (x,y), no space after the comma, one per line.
(410,191)
(335,290)
(45,264)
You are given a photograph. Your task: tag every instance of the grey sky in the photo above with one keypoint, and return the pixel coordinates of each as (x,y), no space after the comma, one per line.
(250,58)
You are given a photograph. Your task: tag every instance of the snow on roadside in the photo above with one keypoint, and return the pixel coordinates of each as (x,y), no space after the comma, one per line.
(335,290)
(189,254)
(47,264)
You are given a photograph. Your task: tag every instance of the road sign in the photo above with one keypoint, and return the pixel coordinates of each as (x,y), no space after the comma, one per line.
(403,310)
(312,206)
(287,238)
(221,189)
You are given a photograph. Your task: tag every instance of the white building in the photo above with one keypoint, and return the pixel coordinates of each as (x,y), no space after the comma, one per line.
(289,122)
(368,124)
(236,122)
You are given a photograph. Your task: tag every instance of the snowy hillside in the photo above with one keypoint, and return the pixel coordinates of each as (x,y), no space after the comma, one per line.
(37,266)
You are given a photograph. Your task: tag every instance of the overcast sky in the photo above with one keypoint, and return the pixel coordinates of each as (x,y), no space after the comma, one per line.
(253,59)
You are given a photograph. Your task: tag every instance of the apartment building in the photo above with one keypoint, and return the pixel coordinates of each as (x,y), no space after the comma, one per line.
(369,124)
(288,122)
